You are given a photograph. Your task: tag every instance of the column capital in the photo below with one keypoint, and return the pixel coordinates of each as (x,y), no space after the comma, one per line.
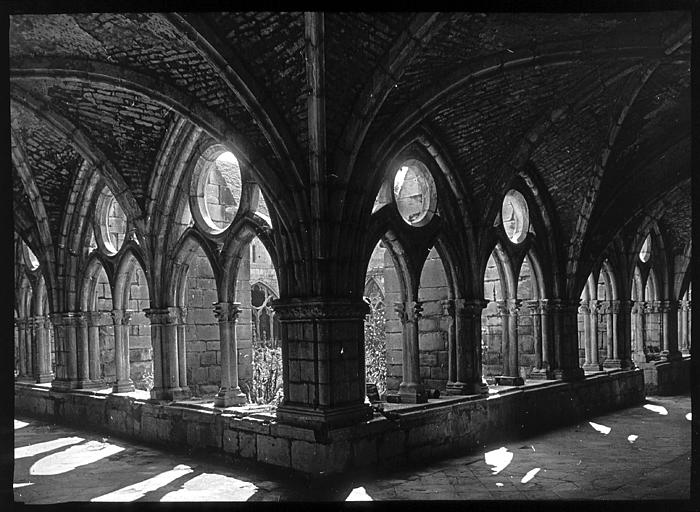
(651,306)
(121,316)
(667,306)
(227,311)
(409,311)
(93,317)
(65,317)
(533,306)
(159,316)
(563,306)
(470,306)
(584,308)
(685,305)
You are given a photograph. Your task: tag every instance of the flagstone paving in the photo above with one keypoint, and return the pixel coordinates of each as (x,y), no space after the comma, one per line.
(56,464)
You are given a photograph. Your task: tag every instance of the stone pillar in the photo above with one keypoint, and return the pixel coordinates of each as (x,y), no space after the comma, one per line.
(323,362)
(229,393)
(65,325)
(166,378)
(42,372)
(121,351)
(510,310)
(182,347)
(22,346)
(29,349)
(668,310)
(639,310)
(585,312)
(83,342)
(93,330)
(622,332)
(503,314)
(685,330)
(565,330)
(411,388)
(535,308)
(611,310)
(547,338)
(594,364)
(468,348)
(448,310)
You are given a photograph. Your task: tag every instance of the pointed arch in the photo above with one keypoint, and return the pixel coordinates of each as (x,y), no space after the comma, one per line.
(175,280)
(130,259)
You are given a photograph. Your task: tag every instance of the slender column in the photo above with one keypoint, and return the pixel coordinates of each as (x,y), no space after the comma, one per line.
(547,339)
(668,310)
(510,310)
(685,346)
(504,315)
(121,351)
(565,329)
(166,379)
(93,333)
(229,393)
(612,311)
(21,334)
(533,307)
(65,325)
(411,388)
(585,312)
(181,347)
(622,333)
(83,352)
(606,309)
(448,310)
(689,329)
(29,341)
(43,350)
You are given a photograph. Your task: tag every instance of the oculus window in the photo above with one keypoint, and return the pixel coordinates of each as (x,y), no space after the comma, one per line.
(414,193)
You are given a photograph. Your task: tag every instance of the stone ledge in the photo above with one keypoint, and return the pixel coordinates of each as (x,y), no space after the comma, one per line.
(452,425)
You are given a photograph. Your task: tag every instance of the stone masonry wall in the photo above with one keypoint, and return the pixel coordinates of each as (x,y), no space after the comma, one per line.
(104,305)
(140,349)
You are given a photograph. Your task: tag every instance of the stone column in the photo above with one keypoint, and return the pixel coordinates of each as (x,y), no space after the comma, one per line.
(121,351)
(611,309)
(535,309)
(42,372)
(323,362)
(668,310)
(29,342)
(22,336)
(65,325)
(448,310)
(93,330)
(182,347)
(504,315)
(229,393)
(547,338)
(622,332)
(685,346)
(468,333)
(585,312)
(164,340)
(83,342)
(411,388)
(638,351)
(565,330)
(510,310)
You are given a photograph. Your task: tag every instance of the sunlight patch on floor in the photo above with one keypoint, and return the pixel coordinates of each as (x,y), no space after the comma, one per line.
(689,416)
(499,459)
(213,487)
(25,484)
(35,449)
(139,490)
(20,424)
(656,408)
(632,438)
(359,494)
(73,457)
(600,428)
(530,475)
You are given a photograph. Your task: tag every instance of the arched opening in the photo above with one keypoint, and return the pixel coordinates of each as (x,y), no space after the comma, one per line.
(684,323)
(433,324)
(492,349)
(652,322)
(591,341)
(132,288)
(99,305)
(528,323)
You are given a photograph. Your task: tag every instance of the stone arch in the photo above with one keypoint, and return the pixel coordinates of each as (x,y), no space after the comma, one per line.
(184,251)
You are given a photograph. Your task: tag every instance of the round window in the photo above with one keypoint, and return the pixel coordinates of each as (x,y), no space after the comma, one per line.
(414,192)
(30,258)
(645,252)
(216,190)
(516,217)
(111,223)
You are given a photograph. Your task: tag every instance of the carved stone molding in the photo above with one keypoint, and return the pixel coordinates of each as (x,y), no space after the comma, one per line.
(121,317)
(448,307)
(162,316)
(313,309)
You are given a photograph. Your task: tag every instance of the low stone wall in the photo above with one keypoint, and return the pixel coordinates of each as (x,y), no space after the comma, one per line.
(666,377)
(439,428)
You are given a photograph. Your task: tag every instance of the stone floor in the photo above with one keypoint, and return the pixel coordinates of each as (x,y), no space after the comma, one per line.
(638,453)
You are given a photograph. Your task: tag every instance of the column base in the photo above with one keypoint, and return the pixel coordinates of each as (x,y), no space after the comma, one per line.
(411,393)
(229,397)
(685,352)
(25,379)
(540,374)
(592,367)
(44,378)
(639,358)
(170,394)
(671,356)
(569,374)
(324,418)
(88,384)
(464,388)
(63,385)
(123,387)
(506,380)
(612,364)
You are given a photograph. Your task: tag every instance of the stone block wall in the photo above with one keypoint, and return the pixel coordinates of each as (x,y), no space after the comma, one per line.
(140,348)
(393,328)
(202,329)
(106,338)
(244,327)
(433,325)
